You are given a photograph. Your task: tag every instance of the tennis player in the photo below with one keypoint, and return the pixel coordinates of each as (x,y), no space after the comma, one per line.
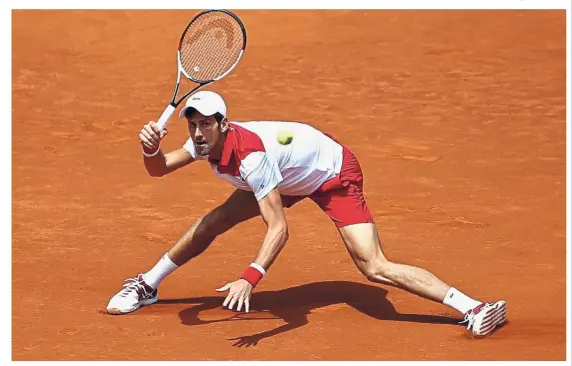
(269,176)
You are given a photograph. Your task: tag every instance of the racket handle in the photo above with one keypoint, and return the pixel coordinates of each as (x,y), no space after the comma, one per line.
(162,123)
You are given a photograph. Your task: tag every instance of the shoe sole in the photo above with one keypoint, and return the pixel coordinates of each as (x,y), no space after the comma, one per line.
(494,317)
(117,311)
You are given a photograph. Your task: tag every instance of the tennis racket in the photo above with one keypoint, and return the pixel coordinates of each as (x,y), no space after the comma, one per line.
(210,47)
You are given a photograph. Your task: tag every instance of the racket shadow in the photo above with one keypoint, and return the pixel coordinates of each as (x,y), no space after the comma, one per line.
(292,305)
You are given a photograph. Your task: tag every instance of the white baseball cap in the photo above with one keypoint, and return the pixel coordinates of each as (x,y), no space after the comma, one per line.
(206,103)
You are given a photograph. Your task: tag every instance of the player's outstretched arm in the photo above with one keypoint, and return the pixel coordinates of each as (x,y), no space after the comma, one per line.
(273,215)
(157,163)
(276,237)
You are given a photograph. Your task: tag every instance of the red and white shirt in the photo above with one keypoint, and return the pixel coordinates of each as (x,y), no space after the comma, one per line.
(253,160)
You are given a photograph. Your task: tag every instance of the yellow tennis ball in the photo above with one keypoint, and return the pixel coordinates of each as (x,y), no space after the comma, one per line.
(285,137)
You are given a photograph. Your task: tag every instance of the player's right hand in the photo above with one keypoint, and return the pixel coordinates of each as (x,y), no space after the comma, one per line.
(150,136)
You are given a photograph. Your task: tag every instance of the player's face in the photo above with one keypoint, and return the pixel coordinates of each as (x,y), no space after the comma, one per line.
(205,132)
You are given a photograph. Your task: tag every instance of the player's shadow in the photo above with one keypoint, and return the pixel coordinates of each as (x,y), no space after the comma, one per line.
(293,304)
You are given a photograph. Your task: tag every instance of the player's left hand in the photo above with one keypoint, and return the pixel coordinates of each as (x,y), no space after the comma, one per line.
(239,292)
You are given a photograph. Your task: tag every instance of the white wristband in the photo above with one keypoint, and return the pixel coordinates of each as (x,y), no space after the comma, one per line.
(152,154)
(258,267)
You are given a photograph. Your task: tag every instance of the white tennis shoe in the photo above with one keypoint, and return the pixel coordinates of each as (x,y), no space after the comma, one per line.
(483,319)
(135,293)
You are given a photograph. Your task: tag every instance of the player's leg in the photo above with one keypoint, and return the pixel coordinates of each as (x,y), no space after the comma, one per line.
(345,204)
(363,244)
(142,290)
(239,207)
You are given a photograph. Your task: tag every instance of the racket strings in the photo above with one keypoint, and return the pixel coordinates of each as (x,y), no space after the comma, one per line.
(211,46)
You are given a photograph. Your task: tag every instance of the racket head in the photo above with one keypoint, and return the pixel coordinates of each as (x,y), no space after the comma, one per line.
(211,45)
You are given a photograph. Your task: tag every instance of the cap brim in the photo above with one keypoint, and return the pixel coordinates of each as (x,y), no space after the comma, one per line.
(205,111)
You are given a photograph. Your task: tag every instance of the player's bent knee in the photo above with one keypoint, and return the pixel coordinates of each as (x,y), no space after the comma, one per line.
(377,270)
(220,220)
(209,225)
(201,225)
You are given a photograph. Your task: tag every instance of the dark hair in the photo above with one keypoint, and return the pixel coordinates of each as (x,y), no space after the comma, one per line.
(219,117)
(189,112)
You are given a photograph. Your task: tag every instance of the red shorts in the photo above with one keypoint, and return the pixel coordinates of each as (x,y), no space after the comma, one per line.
(341,197)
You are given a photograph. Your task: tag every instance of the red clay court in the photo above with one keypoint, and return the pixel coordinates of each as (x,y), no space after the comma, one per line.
(464,158)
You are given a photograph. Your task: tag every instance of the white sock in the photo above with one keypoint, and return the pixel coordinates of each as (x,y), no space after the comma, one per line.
(459,301)
(162,269)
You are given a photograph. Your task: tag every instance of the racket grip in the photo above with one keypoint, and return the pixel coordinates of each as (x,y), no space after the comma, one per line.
(167,113)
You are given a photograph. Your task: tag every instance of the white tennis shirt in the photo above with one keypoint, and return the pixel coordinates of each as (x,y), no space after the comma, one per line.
(253,160)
